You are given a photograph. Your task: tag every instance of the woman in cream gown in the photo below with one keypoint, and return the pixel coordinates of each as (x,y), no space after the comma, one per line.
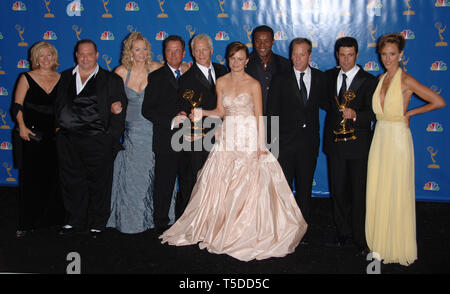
(390,212)
(241,204)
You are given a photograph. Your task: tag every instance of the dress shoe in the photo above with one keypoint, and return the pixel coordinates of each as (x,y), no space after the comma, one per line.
(95,233)
(21,233)
(66,230)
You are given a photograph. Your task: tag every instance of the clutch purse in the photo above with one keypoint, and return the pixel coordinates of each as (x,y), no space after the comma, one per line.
(36,138)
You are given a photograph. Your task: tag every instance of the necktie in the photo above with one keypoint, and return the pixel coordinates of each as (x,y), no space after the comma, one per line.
(303,91)
(343,88)
(178,73)
(210,78)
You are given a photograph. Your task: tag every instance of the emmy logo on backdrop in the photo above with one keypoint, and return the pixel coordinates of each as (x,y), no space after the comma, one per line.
(403,63)
(106,14)
(432,154)
(160,58)
(372,33)
(20,30)
(78,32)
(49,14)
(190,31)
(248,30)
(2,72)
(438,26)
(131,29)
(162,14)
(5,124)
(436,89)
(10,178)
(107,60)
(344,134)
(281,8)
(409,11)
(222,14)
(220,59)
(311,37)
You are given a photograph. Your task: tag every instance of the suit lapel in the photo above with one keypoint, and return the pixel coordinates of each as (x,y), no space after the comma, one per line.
(295,89)
(100,85)
(358,80)
(201,77)
(170,76)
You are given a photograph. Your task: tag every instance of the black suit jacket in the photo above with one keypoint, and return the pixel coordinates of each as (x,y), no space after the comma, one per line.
(195,80)
(299,123)
(160,106)
(109,89)
(280,64)
(363,85)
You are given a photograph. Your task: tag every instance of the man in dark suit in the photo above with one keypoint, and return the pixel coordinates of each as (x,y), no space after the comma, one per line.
(263,63)
(294,97)
(88,139)
(161,107)
(347,160)
(201,79)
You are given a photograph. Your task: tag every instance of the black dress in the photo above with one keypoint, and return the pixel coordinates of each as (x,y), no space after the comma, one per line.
(40,203)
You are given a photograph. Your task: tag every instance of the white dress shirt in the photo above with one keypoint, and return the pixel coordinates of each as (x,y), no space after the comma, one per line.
(173,71)
(80,85)
(205,69)
(306,79)
(350,76)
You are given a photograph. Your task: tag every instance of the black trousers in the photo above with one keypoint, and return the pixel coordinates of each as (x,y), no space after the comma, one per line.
(300,167)
(86,171)
(347,178)
(167,167)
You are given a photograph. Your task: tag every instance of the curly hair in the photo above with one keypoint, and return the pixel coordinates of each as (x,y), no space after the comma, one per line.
(126,50)
(36,50)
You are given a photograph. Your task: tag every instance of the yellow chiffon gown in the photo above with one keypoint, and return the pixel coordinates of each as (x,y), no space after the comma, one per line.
(390,211)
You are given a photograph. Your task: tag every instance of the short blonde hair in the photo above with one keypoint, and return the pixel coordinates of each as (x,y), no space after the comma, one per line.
(36,50)
(126,50)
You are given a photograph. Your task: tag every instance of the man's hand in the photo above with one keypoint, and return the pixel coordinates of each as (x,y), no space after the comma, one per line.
(348,113)
(116,107)
(180,118)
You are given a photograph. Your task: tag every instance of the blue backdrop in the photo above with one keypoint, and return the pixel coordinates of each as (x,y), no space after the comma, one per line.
(107,22)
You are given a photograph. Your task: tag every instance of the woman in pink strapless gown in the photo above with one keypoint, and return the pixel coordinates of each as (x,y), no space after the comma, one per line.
(241,204)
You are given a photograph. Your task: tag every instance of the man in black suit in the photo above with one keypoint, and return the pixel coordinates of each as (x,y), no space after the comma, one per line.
(88,139)
(200,78)
(294,97)
(347,160)
(161,107)
(263,63)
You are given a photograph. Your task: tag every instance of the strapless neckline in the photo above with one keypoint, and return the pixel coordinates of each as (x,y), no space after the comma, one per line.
(232,98)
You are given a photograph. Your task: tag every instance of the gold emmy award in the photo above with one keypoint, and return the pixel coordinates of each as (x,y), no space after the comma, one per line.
(107,60)
(20,30)
(78,32)
(432,154)
(131,29)
(438,26)
(248,30)
(2,72)
(106,14)
(222,14)
(189,95)
(5,125)
(49,14)
(220,59)
(372,33)
(280,11)
(311,34)
(344,134)
(162,14)
(409,11)
(10,178)
(191,32)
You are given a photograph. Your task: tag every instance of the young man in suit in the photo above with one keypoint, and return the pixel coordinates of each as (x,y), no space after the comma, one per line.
(88,139)
(161,107)
(294,97)
(347,160)
(263,63)
(201,79)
